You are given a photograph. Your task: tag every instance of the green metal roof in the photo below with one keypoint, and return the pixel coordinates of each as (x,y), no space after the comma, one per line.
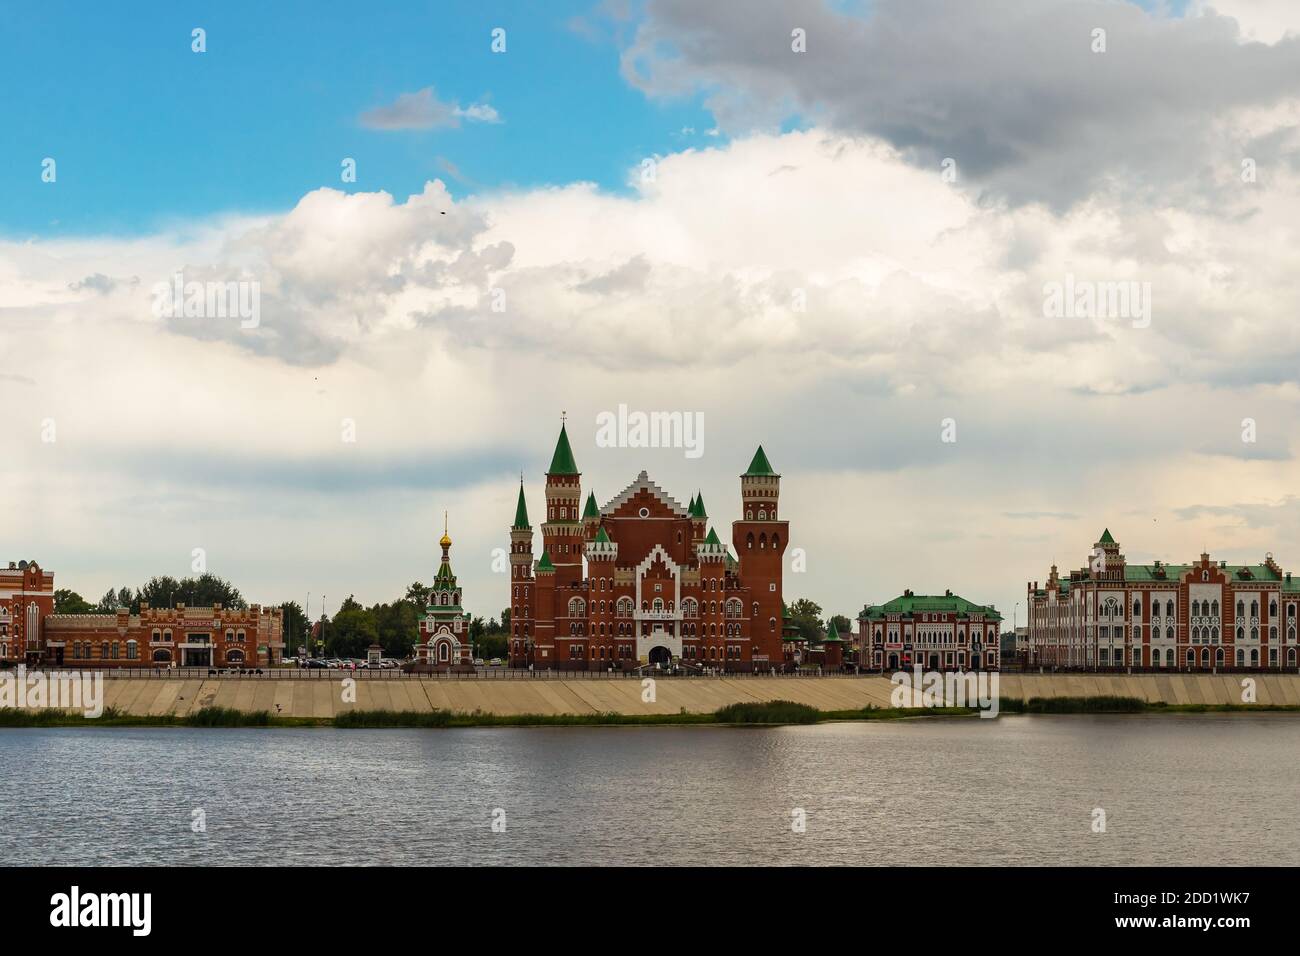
(591,511)
(930,604)
(699,511)
(712,537)
(562,462)
(1106,538)
(690,509)
(601,536)
(760,465)
(545,563)
(521,510)
(832,635)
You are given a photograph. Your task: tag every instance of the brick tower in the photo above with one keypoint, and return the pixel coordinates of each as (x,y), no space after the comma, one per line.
(562,532)
(521,583)
(760,540)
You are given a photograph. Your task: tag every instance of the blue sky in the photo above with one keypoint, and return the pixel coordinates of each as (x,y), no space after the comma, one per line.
(146,132)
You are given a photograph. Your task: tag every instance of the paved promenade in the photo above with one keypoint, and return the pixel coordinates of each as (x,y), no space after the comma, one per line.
(324,698)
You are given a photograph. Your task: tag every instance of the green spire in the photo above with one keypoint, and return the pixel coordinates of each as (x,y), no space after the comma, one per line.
(562,462)
(699,507)
(1106,538)
(601,537)
(591,511)
(545,564)
(521,509)
(712,538)
(690,510)
(759,466)
(832,635)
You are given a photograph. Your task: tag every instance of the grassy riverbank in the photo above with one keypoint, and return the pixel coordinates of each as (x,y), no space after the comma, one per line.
(764,713)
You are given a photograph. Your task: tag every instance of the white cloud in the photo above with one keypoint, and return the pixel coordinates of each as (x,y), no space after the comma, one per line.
(423,110)
(922,303)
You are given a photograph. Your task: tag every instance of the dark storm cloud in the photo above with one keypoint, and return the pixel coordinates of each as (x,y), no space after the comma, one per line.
(1009,89)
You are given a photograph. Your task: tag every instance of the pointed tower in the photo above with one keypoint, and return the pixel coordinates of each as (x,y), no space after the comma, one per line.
(521,583)
(562,530)
(1106,563)
(699,518)
(590,518)
(543,655)
(760,540)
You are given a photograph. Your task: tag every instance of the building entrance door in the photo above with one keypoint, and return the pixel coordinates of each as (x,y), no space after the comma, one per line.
(661,655)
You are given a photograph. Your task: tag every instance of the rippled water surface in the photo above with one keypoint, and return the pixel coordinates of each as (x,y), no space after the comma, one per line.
(1176,790)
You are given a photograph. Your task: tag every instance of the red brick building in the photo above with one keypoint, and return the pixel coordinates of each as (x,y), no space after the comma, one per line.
(658,584)
(26,599)
(1201,616)
(939,632)
(32,633)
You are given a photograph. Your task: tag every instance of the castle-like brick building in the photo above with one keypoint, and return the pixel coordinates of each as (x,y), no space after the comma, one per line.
(32,633)
(1201,616)
(659,585)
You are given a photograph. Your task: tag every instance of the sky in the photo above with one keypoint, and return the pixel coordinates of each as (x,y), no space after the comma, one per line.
(831,228)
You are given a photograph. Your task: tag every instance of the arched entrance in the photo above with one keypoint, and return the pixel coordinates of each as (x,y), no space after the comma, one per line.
(660,655)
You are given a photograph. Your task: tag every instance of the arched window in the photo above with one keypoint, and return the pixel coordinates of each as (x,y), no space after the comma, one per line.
(749,541)
(577,607)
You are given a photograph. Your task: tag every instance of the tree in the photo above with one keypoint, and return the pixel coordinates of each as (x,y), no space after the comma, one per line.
(505,621)
(351,633)
(70,602)
(398,625)
(350,603)
(295,627)
(417,594)
(843,626)
(806,615)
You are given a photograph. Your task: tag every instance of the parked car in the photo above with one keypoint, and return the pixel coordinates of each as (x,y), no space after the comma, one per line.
(479,662)
(315,663)
(495,662)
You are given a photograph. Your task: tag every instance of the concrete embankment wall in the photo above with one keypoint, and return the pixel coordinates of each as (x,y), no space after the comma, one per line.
(323,698)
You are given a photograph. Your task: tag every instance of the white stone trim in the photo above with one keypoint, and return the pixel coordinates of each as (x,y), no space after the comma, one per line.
(643,483)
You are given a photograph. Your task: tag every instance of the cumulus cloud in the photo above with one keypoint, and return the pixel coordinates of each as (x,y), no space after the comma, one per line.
(821,291)
(423,110)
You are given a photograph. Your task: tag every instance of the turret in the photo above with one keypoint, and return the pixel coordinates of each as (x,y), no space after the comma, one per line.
(562,531)
(590,517)
(760,540)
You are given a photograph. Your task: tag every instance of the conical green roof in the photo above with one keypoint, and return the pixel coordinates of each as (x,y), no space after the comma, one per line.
(690,509)
(699,507)
(832,635)
(545,563)
(1106,538)
(601,537)
(562,462)
(712,538)
(521,509)
(591,511)
(760,465)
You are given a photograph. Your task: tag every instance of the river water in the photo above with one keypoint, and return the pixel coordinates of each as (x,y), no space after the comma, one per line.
(1195,789)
